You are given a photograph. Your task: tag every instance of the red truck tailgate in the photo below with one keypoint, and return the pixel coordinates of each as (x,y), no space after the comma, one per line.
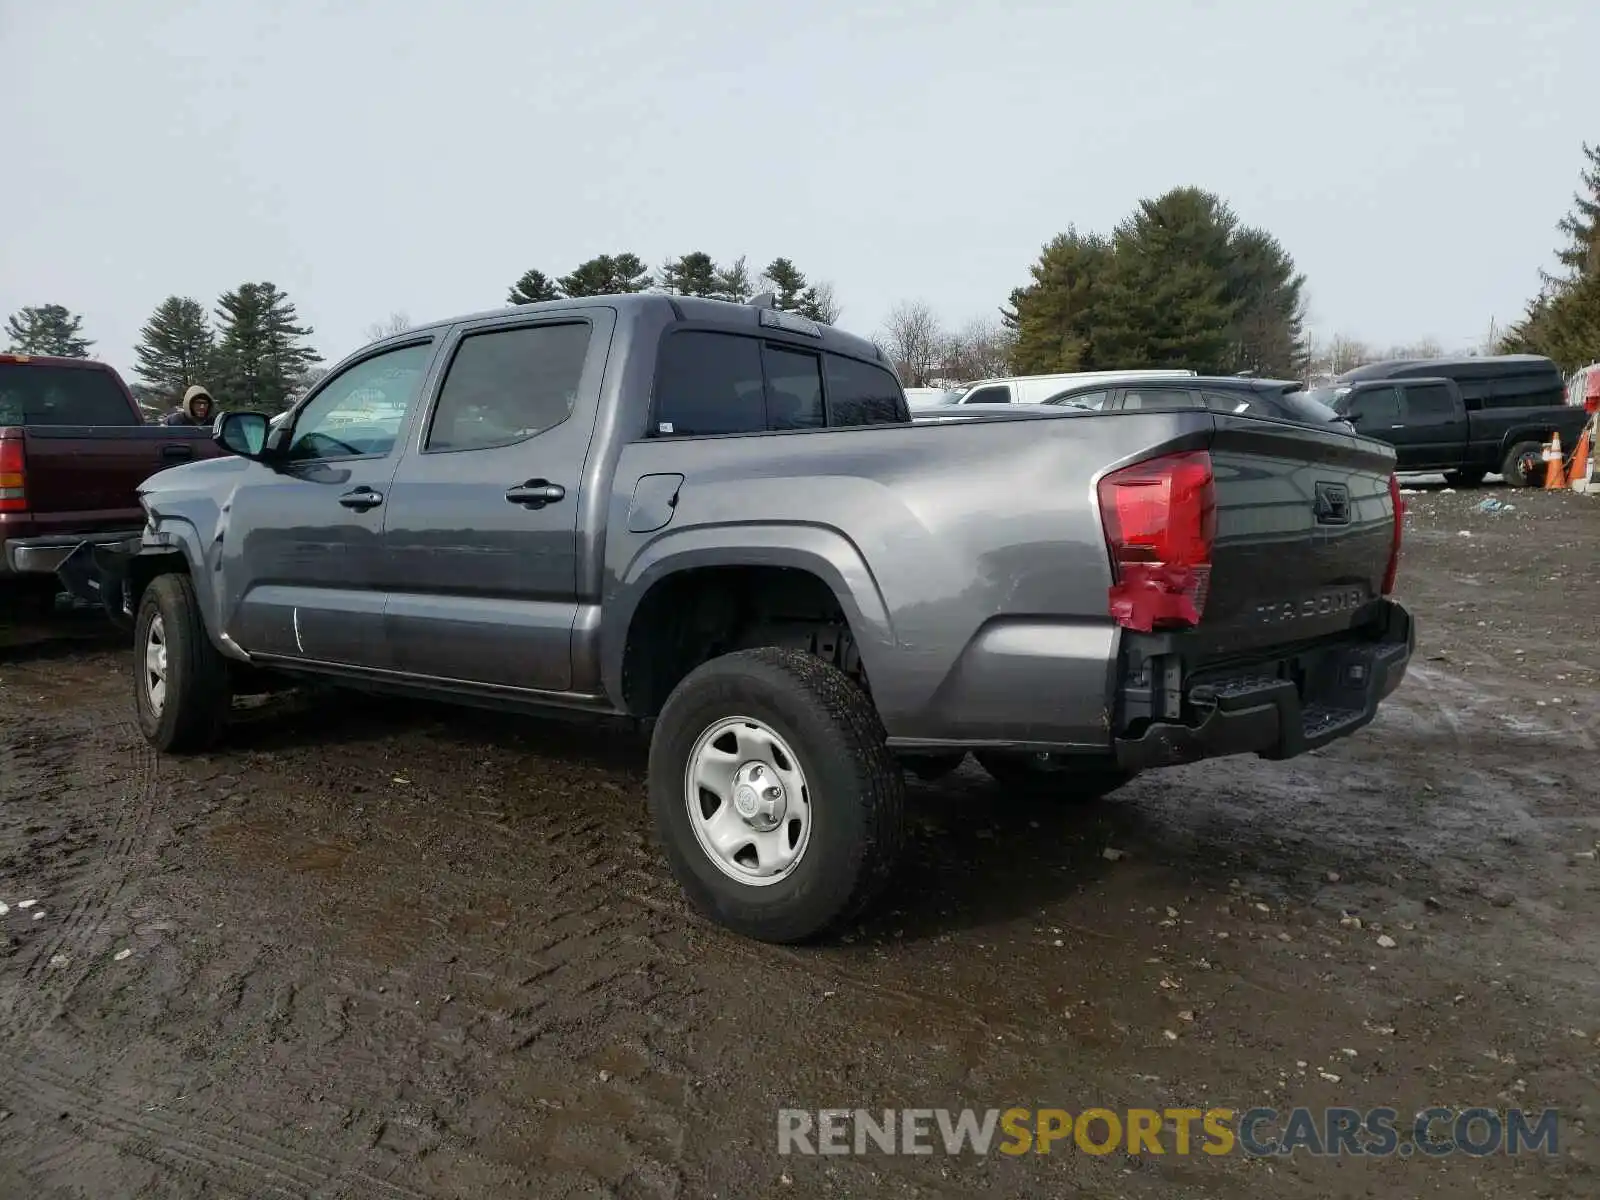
(85,447)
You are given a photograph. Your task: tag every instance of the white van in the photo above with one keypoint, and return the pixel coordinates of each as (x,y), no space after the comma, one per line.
(1036,389)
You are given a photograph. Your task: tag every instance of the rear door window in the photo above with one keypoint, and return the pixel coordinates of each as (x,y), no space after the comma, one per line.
(1237,403)
(794,389)
(1150,399)
(862,394)
(32,394)
(1429,404)
(710,383)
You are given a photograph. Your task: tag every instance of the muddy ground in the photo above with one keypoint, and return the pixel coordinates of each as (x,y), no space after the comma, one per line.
(393,950)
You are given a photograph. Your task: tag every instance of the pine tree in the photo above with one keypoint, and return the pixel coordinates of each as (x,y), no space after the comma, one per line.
(733,282)
(262,357)
(177,348)
(606,275)
(47,329)
(692,275)
(1563,321)
(1178,284)
(788,284)
(533,287)
(1581,255)
(1267,295)
(1055,317)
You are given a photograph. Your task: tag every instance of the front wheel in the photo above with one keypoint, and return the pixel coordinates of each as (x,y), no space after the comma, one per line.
(180,681)
(1052,776)
(775,799)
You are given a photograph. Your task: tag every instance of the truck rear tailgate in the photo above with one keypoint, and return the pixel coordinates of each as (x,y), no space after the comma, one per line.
(1305,526)
(83,478)
(1296,643)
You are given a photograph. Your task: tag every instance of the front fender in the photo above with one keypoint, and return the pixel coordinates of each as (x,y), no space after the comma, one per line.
(822,550)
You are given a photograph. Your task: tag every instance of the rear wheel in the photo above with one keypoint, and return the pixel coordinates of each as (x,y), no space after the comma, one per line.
(1466,479)
(1524,465)
(180,681)
(1052,776)
(775,799)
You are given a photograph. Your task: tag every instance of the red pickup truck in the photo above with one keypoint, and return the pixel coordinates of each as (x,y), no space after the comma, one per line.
(74,448)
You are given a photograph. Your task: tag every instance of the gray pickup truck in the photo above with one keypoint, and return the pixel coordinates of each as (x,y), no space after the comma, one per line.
(717,521)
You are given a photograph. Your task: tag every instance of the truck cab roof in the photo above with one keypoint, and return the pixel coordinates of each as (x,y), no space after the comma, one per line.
(688,310)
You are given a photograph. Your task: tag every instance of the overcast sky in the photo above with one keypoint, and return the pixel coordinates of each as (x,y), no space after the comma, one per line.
(371,157)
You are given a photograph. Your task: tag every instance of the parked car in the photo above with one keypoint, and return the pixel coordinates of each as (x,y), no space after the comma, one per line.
(1278,400)
(1466,417)
(74,448)
(718,522)
(1036,389)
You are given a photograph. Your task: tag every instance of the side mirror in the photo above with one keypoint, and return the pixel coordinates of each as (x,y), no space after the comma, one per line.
(241,433)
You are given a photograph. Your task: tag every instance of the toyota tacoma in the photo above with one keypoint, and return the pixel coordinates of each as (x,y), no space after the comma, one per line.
(718,522)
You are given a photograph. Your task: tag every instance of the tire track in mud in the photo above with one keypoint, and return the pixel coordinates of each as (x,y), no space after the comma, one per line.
(120,815)
(95,887)
(189,1141)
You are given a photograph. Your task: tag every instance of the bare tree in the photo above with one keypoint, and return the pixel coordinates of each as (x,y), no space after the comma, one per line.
(980,349)
(1428,347)
(824,304)
(395,322)
(913,340)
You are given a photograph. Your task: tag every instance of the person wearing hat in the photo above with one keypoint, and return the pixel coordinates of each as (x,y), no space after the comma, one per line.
(195,410)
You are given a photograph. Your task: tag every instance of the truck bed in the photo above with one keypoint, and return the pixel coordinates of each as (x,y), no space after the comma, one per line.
(984,565)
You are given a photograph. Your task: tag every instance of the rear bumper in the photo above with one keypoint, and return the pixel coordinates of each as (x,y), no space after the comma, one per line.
(1282,708)
(44,555)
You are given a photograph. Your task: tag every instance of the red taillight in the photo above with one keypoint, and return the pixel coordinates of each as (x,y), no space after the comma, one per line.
(1160,519)
(13,468)
(1399,503)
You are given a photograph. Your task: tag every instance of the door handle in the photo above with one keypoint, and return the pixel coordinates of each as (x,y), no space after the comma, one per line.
(173,453)
(536,493)
(361,499)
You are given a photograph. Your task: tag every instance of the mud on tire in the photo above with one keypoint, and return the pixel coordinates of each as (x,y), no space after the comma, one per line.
(775,704)
(180,682)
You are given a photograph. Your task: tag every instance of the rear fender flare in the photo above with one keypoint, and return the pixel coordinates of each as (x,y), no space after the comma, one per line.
(821,550)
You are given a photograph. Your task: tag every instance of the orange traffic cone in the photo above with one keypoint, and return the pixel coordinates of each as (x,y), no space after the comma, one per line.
(1580,462)
(1554,475)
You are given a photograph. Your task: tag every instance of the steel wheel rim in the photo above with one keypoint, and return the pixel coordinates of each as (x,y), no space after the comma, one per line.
(747,801)
(155,664)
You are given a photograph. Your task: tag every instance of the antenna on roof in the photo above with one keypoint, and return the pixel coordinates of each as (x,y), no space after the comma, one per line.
(764,300)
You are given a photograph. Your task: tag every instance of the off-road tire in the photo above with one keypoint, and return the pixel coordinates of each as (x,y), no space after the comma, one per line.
(195,706)
(855,789)
(1022,773)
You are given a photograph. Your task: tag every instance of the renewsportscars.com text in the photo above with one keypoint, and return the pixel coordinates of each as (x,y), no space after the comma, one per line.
(1258,1132)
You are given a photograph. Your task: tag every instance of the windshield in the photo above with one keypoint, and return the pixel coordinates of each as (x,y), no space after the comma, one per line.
(45,394)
